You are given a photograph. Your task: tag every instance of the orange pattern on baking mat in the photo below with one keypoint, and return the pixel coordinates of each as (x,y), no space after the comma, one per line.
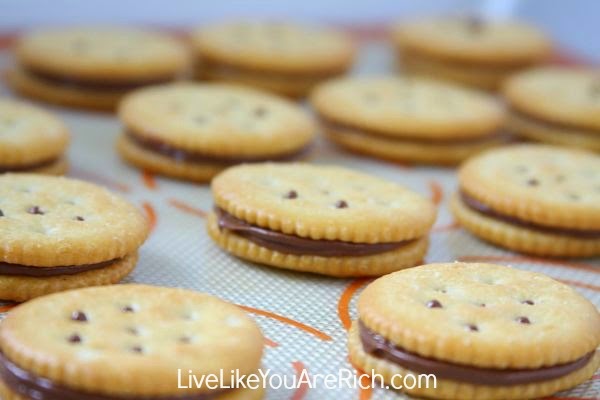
(270,343)
(301,390)
(149,180)
(365,391)
(346,297)
(150,214)
(437,192)
(306,328)
(180,205)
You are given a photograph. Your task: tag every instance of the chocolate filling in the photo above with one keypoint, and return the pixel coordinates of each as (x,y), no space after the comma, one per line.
(28,167)
(347,128)
(555,125)
(291,244)
(464,64)
(83,84)
(27,270)
(180,155)
(378,346)
(31,386)
(486,210)
(229,69)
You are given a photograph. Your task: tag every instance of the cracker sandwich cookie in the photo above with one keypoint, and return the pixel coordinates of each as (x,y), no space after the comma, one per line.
(556,105)
(128,342)
(60,233)
(469,50)
(408,119)
(31,139)
(485,331)
(94,67)
(321,219)
(536,199)
(193,131)
(285,58)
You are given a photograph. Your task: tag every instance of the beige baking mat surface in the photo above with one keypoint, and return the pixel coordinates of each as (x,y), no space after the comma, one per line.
(304,317)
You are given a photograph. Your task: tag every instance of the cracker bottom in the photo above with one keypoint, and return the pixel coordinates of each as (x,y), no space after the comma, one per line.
(477,77)
(447,389)
(532,130)
(58,167)
(163,165)
(406,256)
(519,238)
(295,88)
(31,86)
(22,288)
(238,394)
(405,150)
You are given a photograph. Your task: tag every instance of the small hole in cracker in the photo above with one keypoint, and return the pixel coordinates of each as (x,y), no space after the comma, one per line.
(341,204)
(128,309)
(79,218)
(133,330)
(74,338)
(185,339)
(472,328)
(79,316)
(35,210)
(190,317)
(434,304)
(533,182)
(292,194)
(260,112)
(523,320)
(528,302)
(137,349)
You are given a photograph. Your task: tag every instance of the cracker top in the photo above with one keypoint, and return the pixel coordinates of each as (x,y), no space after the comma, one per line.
(558,94)
(481,314)
(275,46)
(29,134)
(474,40)
(547,185)
(103,54)
(54,221)
(130,339)
(217,119)
(323,202)
(408,107)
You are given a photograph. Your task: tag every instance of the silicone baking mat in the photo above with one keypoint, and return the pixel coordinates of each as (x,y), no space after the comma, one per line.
(304,317)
